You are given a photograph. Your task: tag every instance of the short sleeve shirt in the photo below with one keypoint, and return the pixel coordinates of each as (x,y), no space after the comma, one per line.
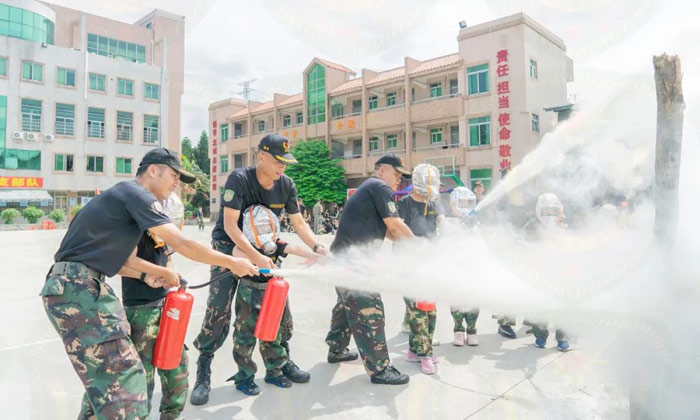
(420,217)
(243,190)
(364,214)
(108,228)
(136,292)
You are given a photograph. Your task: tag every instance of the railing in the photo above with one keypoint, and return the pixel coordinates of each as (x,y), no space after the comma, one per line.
(435,98)
(150,135)
(385,151)
(65,126)
(340,117)
(442,145)
(124,132)
(96,129)
(31,122)
(240,136)
(388,107)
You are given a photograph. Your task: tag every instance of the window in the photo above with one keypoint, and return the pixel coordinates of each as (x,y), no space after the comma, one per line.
(97,82)
(357,148)
(454,135)
(124,166)
(286,120)
(32,71)
(224,132)
(95,164)
(391,99)
(239,161)
(224,164)
(373,143)
(479,131)
(96,123)
(535,123)
(261,126)
(392,141)
(372,102)
(65,77)
(237,130)
(454,87)
(114,48)
(533,69)
(125,124)
(483,175)
(65,120)
(63,163)
(3,65)
(300,117)
(3,121)
(435,135)
(316,94)
(125,87)
(151,91)
(435,90)
(337,110)
(31,115)
(413,94)
(20,159)
(150,129)
(23,24)
(478,79)
(357,106)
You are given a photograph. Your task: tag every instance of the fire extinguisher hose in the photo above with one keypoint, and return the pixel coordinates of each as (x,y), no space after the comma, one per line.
(217,278)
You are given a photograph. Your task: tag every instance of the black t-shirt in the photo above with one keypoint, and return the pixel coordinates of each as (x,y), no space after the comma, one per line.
(108,228)
(243,190)
(276,258)
(134,291)
(414,215)
(364,214)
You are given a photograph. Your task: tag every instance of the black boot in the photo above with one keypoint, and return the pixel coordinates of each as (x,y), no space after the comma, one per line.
(344,356)
(296,375)
(200,393)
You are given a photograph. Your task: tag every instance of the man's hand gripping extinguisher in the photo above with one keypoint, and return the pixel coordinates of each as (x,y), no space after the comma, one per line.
(272,308)
(173,328)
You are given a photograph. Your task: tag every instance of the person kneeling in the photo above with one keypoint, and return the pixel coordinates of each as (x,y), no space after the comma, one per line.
(261,228)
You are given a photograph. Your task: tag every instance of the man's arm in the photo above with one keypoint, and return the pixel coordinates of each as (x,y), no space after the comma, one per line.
(195,251)
(231,227)
(157,276)
(396,229)
(304,231)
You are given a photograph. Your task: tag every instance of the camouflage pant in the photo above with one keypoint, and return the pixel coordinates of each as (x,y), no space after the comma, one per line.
(362,315)
(470,316)
(539,330)
(274,354)
(421,326)
(506,320)
(91,321)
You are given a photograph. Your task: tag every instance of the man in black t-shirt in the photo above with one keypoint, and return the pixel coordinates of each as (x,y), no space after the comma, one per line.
(370,215)
(101,242)
(264,184)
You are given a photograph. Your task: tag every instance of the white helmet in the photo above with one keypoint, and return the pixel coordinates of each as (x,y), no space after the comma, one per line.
(261,227)
(462,201)
(549,209)
(426,181)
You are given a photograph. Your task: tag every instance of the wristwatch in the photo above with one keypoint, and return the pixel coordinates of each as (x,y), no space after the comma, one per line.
(143,277)
(316,247)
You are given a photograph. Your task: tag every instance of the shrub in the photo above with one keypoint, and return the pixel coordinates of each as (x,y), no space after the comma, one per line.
(8,215)
(57,215)
(75,210)
(32,214)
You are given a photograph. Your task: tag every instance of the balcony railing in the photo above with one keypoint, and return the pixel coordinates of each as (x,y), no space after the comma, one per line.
(340,117)
(238,136)
(437,146)
(435,98)
(379,152)
(388,107)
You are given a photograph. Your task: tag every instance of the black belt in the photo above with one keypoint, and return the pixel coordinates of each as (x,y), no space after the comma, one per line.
(253,284)
(69,267)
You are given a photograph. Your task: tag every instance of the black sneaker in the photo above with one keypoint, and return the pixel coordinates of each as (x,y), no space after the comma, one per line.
(296,375)
(344,356)
(279,381)
(390,376)
(507,331)
(248,387)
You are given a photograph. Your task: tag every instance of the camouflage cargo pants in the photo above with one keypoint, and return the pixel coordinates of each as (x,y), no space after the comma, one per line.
(360,314)
(540,330)
(507,320)
(421,327)
(460,317)
(92,323)
(274,353)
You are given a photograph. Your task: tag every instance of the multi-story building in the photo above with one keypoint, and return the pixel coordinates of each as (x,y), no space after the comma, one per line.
(82,99)
(473,114)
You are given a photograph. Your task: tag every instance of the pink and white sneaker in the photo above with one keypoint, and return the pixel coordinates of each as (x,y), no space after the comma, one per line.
(472,340)
(427,366)
(412,357)
(459,339)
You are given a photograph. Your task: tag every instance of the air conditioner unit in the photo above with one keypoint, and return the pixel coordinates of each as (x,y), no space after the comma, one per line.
(31,136)
(17,135)
(48,137)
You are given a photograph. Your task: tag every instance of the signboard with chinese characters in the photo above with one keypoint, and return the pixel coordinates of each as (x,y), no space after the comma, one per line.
(503,91)
(21,182)
(213,159)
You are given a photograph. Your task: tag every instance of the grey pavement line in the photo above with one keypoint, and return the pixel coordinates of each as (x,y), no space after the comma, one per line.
(526,378)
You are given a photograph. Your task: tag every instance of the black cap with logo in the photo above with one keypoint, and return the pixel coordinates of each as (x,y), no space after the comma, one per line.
(394,161)
(277,146)
(163,156)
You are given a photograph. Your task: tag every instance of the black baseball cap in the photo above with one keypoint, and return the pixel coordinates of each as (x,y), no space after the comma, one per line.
(163,156)
(394,161)
(277,146)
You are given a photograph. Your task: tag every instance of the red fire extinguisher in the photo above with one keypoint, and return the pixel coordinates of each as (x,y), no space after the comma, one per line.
(173,327)
(425,306)
(271,310)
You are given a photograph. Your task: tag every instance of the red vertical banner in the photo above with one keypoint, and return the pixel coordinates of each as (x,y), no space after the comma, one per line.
(503,91)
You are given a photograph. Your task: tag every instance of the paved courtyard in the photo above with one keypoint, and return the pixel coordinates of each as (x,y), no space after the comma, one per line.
(499,379)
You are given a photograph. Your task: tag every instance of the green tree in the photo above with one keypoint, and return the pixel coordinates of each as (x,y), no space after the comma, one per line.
(8,215)
(317,176)
(200,186)
(32,214)
(187,149)
(57,215)
(75,210)
(201,152)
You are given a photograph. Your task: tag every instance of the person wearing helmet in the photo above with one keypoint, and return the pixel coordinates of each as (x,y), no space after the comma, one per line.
(462,203)
(261,228)
(549,216)
(422,212)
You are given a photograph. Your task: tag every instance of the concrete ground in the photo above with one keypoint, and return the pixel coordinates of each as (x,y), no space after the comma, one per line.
(499,379)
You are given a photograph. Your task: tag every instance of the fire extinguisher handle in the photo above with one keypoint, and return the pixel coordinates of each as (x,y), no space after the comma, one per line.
(265,270)
(183,283)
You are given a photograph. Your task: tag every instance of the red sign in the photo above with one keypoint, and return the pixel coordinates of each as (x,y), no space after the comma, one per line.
(503,89)
(21,182)
(351,191)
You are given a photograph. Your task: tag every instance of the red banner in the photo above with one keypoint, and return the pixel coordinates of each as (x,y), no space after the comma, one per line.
(21,182)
